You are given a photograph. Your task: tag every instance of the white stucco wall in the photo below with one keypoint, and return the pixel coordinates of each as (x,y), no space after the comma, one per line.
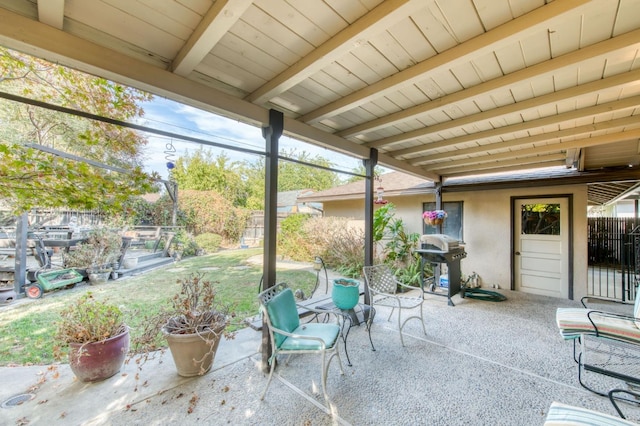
(487,228)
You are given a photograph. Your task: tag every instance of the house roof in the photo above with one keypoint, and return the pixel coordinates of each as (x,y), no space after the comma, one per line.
(441,89)
(613,187)
(290,198)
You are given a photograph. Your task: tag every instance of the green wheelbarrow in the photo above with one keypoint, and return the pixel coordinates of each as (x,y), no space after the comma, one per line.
(50,280)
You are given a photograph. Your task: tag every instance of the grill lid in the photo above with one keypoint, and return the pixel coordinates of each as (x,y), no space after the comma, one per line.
(440,241)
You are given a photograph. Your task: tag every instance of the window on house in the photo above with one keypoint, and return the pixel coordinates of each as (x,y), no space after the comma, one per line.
(452,226)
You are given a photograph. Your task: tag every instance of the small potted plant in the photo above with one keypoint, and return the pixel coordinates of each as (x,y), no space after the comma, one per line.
(434,217)
(192,324)
(95,337)
(96,255)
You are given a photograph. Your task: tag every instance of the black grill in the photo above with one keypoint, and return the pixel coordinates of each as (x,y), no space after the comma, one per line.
(434,255)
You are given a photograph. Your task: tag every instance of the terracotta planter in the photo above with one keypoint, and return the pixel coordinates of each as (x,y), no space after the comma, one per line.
(345,293)
(193,354)
(93,362)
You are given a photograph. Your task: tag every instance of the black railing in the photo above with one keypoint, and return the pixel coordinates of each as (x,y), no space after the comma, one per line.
(613,257)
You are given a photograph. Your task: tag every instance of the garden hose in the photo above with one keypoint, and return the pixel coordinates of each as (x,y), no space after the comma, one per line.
(489,296)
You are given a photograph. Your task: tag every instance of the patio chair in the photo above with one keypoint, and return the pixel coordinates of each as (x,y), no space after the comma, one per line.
(604,342)
(383,291)
(289,336)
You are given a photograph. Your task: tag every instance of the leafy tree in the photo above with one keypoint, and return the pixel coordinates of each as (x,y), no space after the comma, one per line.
(291,176)
(253,174)
(201,171)
(30,177)
(362,171)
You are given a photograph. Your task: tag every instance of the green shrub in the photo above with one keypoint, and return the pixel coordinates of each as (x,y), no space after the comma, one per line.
(185,243)
(138,211)
(293,240)
(209,212)
(209,242)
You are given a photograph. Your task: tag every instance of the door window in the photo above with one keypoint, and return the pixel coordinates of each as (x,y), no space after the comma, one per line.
(540,219)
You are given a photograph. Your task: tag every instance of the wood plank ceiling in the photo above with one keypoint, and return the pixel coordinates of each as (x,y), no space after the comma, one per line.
(442,88)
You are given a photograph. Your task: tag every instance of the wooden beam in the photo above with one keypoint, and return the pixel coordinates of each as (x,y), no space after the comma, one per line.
(572,58)
(51,12)
(377,20)
(478,46)
(220,17)
(549,148)
(34,38)
(617,80)
(522,157)
(501,168)
(604,108)
(585,131)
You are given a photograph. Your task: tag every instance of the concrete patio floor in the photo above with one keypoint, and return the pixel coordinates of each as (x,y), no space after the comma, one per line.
(481,363)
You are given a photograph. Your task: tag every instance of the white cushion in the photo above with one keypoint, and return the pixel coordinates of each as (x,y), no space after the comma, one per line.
(562,414)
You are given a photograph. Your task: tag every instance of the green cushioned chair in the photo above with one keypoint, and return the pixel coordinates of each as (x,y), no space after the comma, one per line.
(289,336)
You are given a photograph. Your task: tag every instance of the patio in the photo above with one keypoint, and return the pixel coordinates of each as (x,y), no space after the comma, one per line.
(481,363)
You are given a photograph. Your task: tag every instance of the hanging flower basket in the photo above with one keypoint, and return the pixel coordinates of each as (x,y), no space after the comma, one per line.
(434,217)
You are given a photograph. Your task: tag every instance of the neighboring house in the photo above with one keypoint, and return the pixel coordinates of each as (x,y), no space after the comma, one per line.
(487,216)
(288,203)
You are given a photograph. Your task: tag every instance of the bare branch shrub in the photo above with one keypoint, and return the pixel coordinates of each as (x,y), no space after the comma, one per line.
(338,241)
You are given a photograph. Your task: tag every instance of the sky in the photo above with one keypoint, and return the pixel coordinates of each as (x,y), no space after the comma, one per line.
(164,114)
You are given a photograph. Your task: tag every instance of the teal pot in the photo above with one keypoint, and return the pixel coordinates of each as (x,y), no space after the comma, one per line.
(345,293)
(93,362)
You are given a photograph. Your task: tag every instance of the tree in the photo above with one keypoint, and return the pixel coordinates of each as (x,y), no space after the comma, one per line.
(30,177)
(202,171)
(362,171)
(291,176)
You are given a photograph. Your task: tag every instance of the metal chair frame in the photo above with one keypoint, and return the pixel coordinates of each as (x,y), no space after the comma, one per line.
(383,290)
(327,336)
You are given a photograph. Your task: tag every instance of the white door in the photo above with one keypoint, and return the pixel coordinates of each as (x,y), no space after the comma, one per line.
(541,246)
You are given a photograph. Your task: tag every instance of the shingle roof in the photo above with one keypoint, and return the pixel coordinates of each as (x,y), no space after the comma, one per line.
(617,183)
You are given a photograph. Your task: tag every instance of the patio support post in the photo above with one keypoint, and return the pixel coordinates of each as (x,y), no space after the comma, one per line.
(20,270)
(439,203)
(369,166)
(271,134)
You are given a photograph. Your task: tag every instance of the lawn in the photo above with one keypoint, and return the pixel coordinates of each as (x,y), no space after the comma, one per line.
(29,325)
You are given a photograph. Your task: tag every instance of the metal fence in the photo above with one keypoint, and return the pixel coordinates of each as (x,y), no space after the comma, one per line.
(613,257)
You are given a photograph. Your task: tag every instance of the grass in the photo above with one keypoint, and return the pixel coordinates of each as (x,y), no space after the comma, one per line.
(28,326)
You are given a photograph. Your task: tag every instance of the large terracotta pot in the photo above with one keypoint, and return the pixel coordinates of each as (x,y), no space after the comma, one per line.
(193,354)
(92,362)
